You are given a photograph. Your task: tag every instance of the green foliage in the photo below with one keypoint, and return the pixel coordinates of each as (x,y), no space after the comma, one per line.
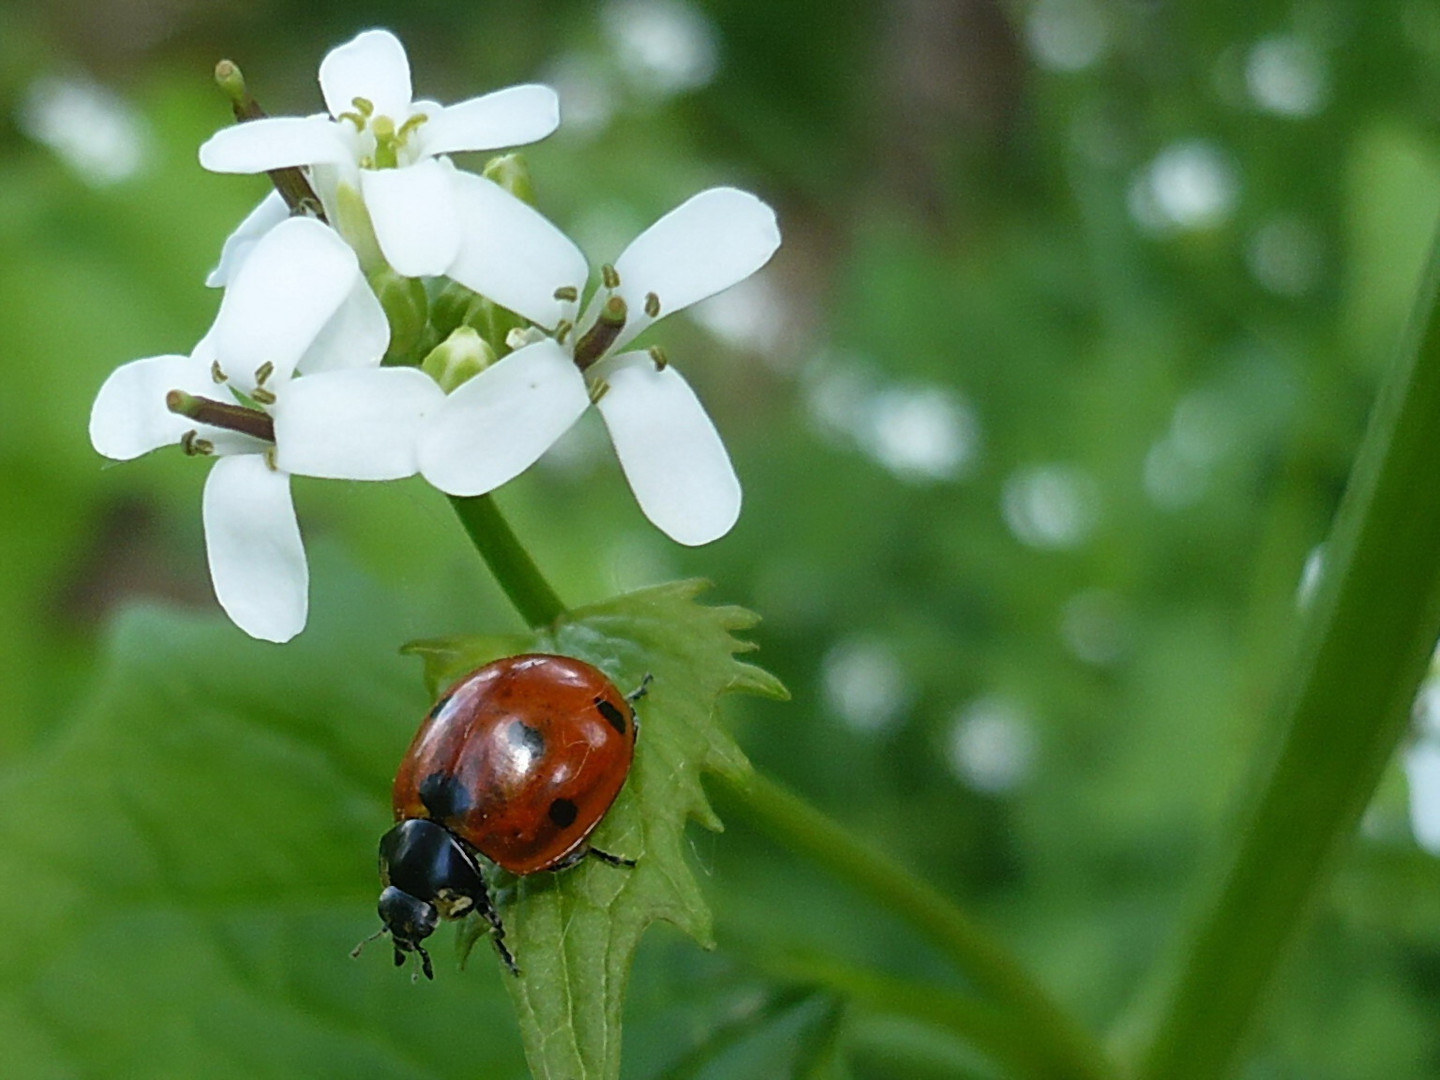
(574,934)
(190,860)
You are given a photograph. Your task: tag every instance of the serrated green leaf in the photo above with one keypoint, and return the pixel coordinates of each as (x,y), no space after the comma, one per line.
(189,860)
(575,932)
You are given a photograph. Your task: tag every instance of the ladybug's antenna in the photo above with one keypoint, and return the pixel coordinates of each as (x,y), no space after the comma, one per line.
(355,952)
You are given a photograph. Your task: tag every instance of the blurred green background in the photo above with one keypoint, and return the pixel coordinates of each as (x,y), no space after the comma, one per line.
(1040,411)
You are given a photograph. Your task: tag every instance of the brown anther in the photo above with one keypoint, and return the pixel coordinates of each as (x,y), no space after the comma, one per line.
(595,341)
(263,373)
(263,396)
(216,373)
(568,293)
(598,390)
(562,330)
(652,305)
(609,277)
(657,354)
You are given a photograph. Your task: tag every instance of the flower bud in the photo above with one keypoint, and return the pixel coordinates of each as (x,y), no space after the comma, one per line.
(406,307)
(512,173)
(461,356)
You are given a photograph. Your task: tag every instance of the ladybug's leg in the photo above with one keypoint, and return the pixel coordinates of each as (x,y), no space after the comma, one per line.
(641,690)
(608,859)
(487,910)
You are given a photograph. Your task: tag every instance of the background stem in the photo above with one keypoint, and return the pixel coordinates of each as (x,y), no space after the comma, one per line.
(1071,1050)
(517,574)
(1365,648)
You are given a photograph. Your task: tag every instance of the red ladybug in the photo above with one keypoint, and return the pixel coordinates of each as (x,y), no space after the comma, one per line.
(518,762)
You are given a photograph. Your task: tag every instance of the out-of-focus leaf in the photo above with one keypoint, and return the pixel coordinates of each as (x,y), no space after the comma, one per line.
(191,859)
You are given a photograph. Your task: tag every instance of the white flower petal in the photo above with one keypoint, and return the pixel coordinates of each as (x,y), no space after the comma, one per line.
(413,210)
(268,213)
(671,453)
(512,254)
(372,66)
(129,417)
(704,245)
(514,116)
(496,425)
(356,336)
(275,142)
(1422,771)
(354,425)
(257,562)
(294,280)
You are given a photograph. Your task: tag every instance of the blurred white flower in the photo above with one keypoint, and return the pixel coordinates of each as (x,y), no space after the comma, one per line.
(95,131)
(992,744)
(379,141)
(496,425)
(298,304)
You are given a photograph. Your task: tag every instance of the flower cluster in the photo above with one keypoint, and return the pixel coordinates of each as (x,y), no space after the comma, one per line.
(371,234)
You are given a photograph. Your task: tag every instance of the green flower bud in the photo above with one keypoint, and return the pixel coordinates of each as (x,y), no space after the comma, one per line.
(461,356)
(408,310)
(450,305)
(512,173)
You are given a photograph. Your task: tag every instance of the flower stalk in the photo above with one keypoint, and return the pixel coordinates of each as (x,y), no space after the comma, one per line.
(1367,644)
(518,576)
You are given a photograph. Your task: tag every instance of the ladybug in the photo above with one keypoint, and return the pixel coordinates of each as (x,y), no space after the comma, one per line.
(518,761)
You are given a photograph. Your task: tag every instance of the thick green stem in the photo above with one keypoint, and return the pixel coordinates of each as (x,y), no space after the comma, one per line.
(799,826)
(1365,648)
(508,560)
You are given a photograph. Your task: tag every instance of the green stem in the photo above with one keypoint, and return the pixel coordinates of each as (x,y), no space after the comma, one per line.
(1364,651)
(508,560)
(996,1033)
(800,827)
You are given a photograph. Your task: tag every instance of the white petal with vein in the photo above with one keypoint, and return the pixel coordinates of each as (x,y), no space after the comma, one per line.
(513,254)
(413,210)
(356,336)
(498,424)
(252,541)
(129,417)
(705,245)
(373,66)
(354,425)
(294,280)
(274,142)
(671,453)
(514,116)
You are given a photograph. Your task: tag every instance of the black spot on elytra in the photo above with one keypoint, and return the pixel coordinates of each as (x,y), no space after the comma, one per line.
(562,812)
(444,796)
(435,709)
(523,735)
(612,714)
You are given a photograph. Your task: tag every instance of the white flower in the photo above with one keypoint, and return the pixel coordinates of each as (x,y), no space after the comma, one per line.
(497,424)
(298,303)
(377,140)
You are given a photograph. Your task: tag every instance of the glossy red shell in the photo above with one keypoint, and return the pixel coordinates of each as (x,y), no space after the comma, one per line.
(521,758)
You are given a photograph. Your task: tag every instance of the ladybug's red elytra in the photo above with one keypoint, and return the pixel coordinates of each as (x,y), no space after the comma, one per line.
(518,761)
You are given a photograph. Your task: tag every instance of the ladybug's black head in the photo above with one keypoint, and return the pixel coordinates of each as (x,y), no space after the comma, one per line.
(428,875)
(409,921)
